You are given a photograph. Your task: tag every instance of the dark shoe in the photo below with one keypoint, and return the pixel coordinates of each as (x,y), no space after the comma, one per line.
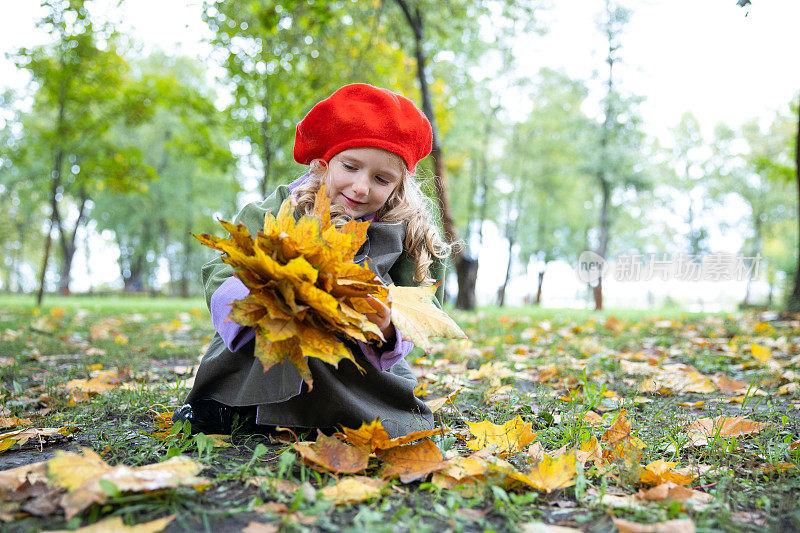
(206,416)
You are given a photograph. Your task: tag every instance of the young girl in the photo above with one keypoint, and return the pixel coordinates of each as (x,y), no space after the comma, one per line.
(363,143)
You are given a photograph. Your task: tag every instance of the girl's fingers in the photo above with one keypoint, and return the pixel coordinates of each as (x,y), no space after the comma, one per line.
(380,308)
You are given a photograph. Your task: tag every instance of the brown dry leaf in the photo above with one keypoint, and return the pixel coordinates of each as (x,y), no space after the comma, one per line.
(412,461)
(728,386)
(682,525)
(305,291)
(82,475)
(418,318)
(260,527)
(672,492)
(660,471)
(541,527)
(535,452)
(116,525)
(620,430)
(510,438)
(280,485)
(13,421)
(353,490)
(592,418)
(334,455)
(703,428)
(14,478)
(551,473)
(21,436)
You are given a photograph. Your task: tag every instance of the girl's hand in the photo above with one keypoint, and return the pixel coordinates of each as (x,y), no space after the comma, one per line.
(382,317)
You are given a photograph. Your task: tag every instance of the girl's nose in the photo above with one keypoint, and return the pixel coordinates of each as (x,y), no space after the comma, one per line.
(361,185)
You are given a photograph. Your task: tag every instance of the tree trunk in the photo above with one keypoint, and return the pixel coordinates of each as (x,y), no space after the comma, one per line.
(54,216)
(539,286)
(467,274)
(69,245)
(602,247)
(794,299)
(501,297)
(466,293)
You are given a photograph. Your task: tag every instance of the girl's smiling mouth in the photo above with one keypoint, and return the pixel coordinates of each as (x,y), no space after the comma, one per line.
(351,202)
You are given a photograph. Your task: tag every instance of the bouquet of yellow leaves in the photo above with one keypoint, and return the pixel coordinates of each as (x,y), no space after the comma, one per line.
(305,291)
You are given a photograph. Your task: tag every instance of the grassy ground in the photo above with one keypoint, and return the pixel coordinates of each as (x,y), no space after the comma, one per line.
(551,368)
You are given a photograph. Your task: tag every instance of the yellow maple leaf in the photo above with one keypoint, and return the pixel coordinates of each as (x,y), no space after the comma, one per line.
(760,353)
(510,438)
(418,319)
(353,489)
(373,434)
(551,473)
(660,471)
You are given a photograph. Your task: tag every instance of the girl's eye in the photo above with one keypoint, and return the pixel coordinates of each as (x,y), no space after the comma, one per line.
(381,180)
(348,166)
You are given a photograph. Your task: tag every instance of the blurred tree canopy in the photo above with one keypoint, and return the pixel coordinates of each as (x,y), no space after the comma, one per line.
(109,144)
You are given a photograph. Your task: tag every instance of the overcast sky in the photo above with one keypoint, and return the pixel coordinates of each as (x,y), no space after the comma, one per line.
(703,56)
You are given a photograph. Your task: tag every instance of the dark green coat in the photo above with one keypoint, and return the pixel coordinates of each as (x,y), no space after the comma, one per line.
(342,396)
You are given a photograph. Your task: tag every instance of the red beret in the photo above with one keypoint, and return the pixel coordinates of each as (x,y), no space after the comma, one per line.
(358,116)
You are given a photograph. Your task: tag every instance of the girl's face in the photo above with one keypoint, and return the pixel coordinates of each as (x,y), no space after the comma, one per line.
(362,179)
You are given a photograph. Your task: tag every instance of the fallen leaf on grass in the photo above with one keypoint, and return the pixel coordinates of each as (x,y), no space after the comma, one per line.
(334,455)
(116,525)
(620,430)
(373,434)
(660,471)
(535,452)
(592,418)
(552,473)
(260,527)
(280,485)
(21,436)
(84,477)
(353,490)
(728,386)
(760,353)
(14,478)
(735,426)
(510,438)
(780,468)
(670,491)
(682,525)
(13,421)
(541,527)
(411,461)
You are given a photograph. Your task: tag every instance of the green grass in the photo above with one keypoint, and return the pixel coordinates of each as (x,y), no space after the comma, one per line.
(559,365)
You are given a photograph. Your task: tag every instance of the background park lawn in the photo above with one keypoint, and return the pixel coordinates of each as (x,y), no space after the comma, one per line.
(107,369)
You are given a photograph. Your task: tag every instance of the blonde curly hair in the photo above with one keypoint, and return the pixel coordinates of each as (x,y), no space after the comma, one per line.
(407,203)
